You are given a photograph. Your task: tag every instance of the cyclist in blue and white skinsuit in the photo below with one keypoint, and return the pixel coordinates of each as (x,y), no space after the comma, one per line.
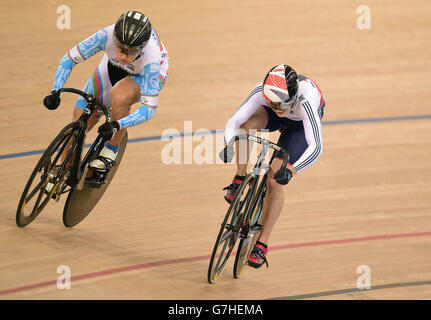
(134,68)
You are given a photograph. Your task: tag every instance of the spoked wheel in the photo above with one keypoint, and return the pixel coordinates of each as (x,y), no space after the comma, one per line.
(49,170)
(79,203)
(247,242)
(230,228)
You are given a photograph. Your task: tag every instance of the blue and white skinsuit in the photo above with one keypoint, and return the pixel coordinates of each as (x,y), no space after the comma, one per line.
(149,70)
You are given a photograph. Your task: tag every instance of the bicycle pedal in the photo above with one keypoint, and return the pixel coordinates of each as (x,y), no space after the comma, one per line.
(56,197)
(256,226)
(93,183)
(96,181)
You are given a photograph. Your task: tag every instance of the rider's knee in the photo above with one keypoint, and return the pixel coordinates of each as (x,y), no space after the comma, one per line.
(246,126)
(124,95)
(255,122)
(273,185)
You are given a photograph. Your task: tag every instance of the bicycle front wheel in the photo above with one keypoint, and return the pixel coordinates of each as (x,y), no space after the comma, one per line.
(49,169)
(230,228)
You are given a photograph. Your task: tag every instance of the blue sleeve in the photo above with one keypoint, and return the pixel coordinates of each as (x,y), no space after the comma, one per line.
(84,50)
(63,72)
(144,113)
(150,86)
(149,82)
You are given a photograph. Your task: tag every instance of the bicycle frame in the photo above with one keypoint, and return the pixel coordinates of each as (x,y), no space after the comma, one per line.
(256,172)
(259,193)
(78,170)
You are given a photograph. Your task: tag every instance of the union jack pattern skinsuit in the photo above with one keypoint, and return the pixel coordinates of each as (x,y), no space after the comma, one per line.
(307,108)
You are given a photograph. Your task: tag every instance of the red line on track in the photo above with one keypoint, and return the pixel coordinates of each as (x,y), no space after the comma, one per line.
(198,258)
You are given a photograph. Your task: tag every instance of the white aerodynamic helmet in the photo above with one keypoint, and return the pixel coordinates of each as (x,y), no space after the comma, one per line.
(281,85)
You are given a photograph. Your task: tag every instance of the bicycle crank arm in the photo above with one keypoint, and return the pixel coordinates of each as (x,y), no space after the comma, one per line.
(230,227)
(82,180)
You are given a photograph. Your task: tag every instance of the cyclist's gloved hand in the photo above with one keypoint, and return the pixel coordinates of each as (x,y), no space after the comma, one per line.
(227,154)
(283,176)
(52,101)
(108,130)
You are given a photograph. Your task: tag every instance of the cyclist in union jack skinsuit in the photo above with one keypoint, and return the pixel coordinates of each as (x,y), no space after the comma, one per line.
(294,105)
(134,68)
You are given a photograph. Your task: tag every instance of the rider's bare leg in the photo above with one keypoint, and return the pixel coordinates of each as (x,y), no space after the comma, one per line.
(124,94)
(91,123)
(273,202)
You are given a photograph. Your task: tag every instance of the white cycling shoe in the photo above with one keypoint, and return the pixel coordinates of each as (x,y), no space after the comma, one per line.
(104,162)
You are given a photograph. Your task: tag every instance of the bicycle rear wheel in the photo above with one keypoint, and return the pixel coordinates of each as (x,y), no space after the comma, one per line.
(49,168)
(247,243)
(230,228)
(79,203)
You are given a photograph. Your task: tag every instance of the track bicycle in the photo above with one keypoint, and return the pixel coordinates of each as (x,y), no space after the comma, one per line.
(243,218)
(64,166)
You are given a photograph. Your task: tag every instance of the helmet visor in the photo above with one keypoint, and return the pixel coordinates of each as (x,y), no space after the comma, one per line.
(281,106)
(126,49)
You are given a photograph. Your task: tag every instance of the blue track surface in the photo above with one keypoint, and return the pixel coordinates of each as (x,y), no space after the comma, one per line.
(151,138)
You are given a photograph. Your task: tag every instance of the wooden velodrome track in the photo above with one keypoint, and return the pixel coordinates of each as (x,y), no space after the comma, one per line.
(367,201)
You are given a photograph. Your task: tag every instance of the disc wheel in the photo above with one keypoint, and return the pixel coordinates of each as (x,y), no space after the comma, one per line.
(80,203)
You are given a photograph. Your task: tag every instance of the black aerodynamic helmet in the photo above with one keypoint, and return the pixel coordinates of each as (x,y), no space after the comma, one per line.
(133,29)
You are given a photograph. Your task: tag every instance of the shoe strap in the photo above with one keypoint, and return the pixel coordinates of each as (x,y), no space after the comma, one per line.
(232,186)
(109,163)
(261,251)
(261,247)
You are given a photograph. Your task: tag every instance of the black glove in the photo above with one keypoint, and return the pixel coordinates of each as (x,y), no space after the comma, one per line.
(227,154)
(52,101)
(108,130)
(283,176)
